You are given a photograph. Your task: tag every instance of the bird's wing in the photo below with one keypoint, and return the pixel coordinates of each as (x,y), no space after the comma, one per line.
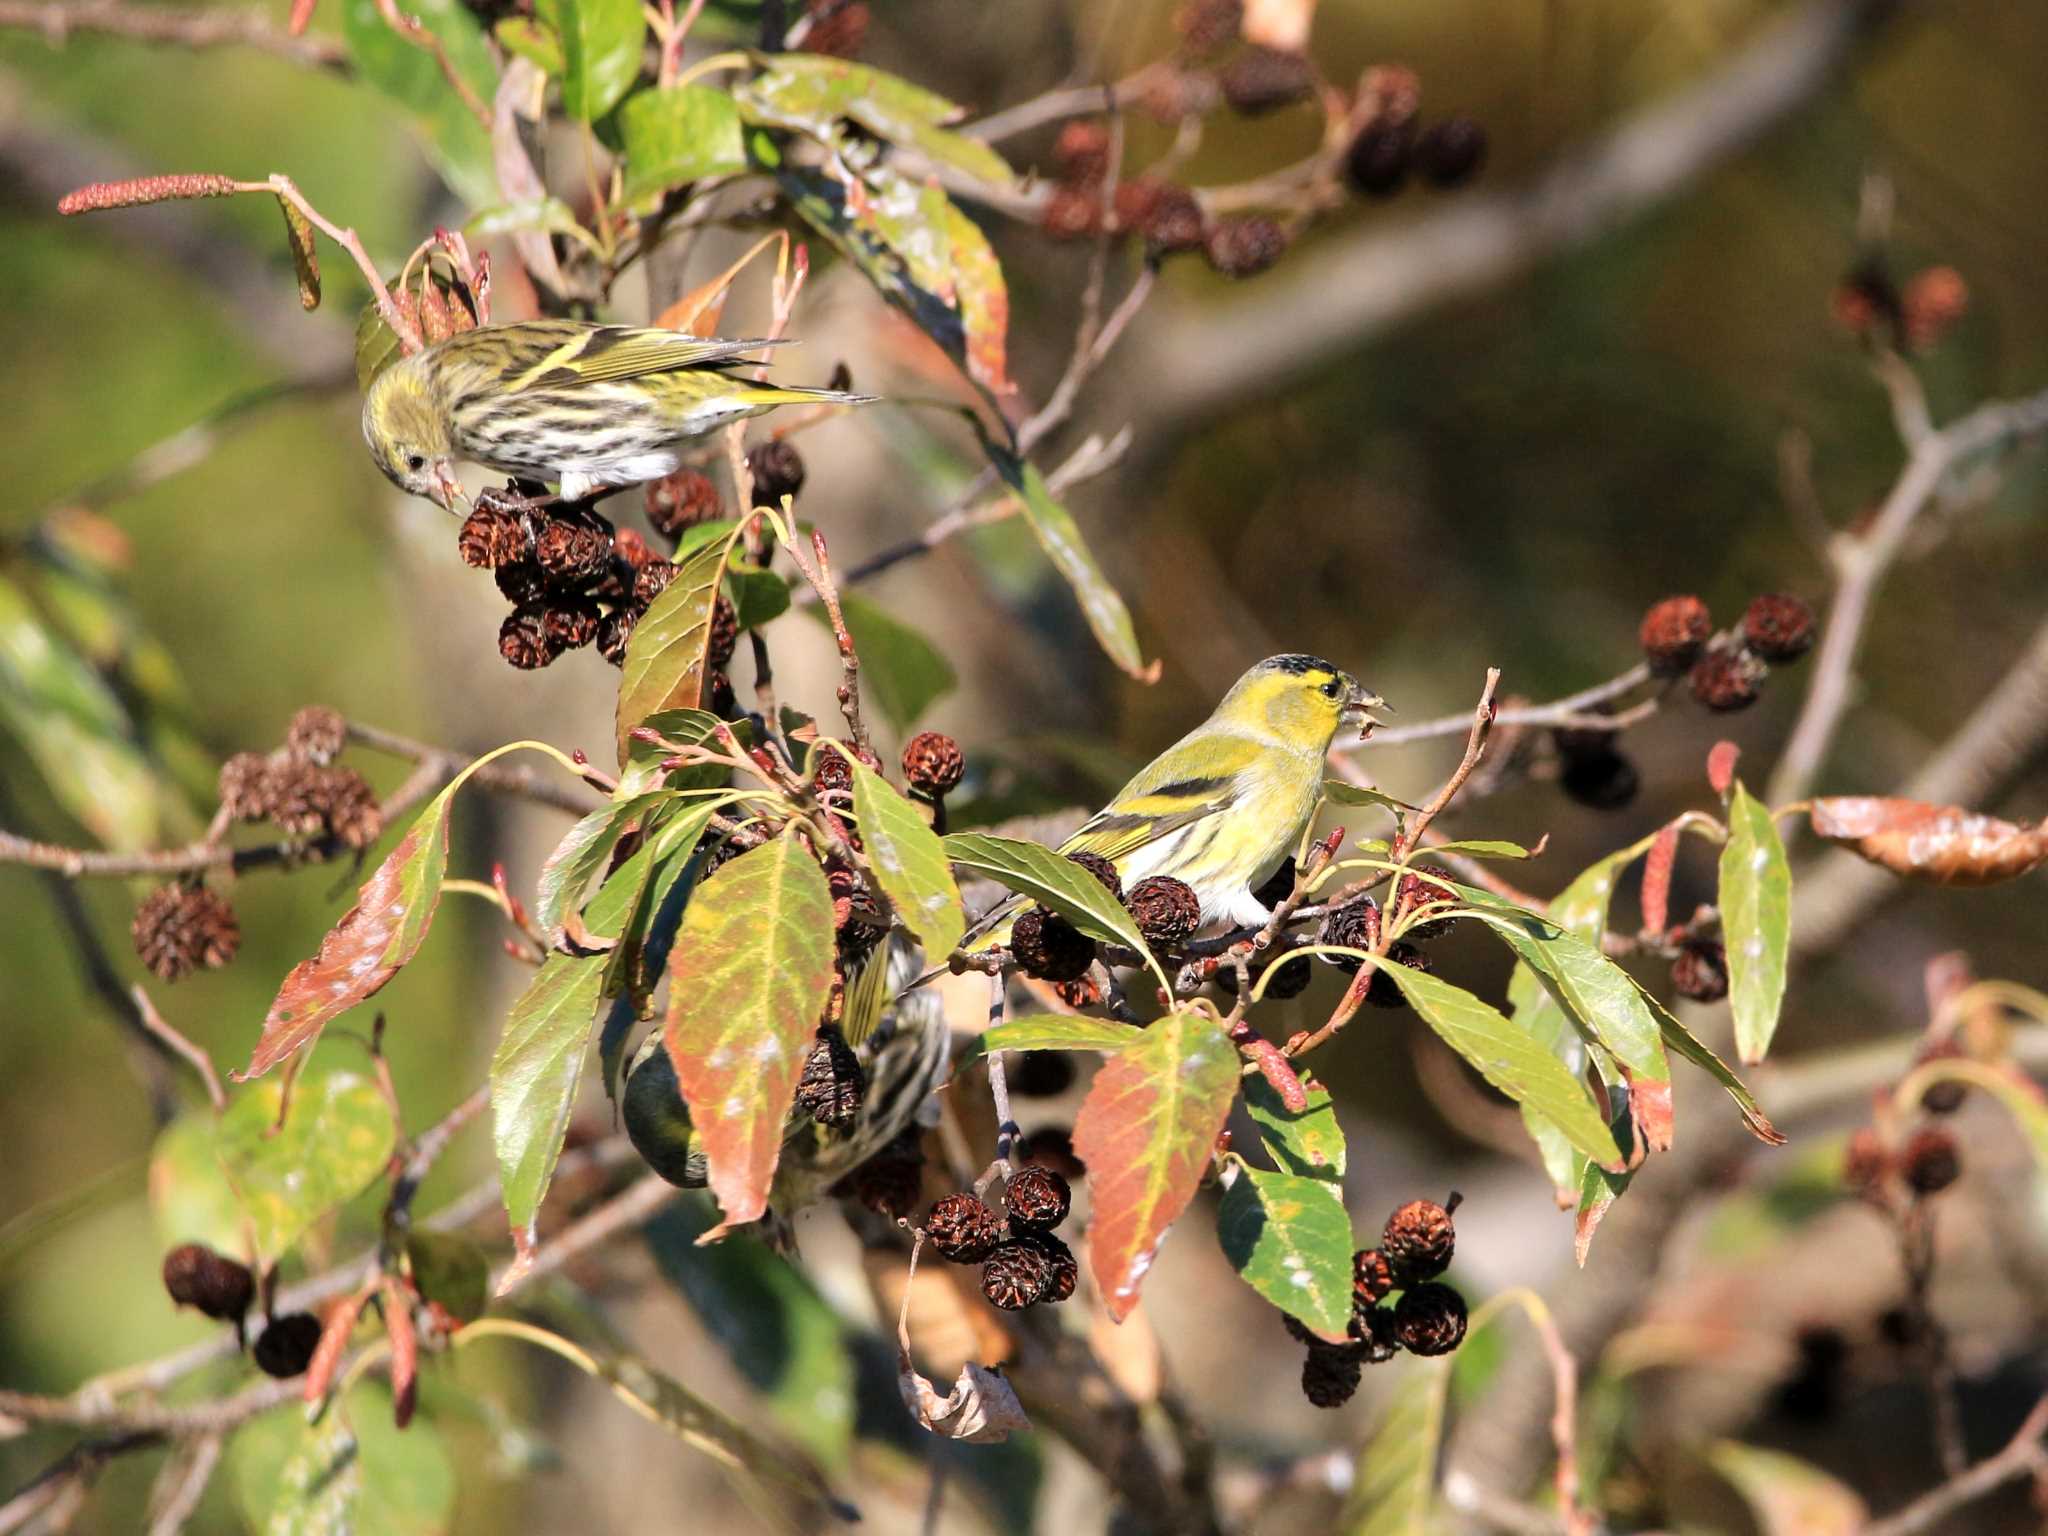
(629,352)
(1169,794)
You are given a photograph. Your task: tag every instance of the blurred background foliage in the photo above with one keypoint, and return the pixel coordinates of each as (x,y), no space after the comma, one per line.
(1508,479)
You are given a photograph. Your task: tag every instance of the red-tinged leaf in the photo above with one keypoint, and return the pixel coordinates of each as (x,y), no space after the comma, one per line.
(1937,844)
(1721,760)
(749,978)
(984,301)
(376,936)
(698,311)
(1145,1132)
(1657,879)
(1649,1105)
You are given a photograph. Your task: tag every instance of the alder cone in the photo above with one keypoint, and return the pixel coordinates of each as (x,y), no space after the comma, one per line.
(1037,1199)
(963,1230)
(1430,1320)
(1330,1374)
(1674,633)
(1049,947)
(1935,844)
(285,1348)
(1418,1241)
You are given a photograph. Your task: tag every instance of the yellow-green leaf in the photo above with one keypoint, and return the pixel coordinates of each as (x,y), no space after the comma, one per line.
(1290,1239)
(353,1473)
(1307,1142)
(684,133)
(1050,879)
(1059,1032)
(582,856)
(334,1141)
(602,42)
(1756,922)
(909,861)
(665,658)
(534,1073)
(1392,1490)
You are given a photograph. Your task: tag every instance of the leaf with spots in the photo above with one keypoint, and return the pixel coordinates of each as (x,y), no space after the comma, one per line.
(1756,922)
(909,861)
(334,1141)
(1146,1132)
(749,978)
(1290,1239)
(666,656)
(1306,1142)
(534,1073)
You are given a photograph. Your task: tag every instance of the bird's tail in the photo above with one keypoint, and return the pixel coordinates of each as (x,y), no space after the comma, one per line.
(764,396)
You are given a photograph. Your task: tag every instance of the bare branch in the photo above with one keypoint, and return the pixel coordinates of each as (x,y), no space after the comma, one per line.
(2023,1455)
(210,27)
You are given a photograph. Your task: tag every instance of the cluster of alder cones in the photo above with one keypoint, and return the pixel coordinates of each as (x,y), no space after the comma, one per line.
(222,1288)
(1022,1262)
(1425,1317)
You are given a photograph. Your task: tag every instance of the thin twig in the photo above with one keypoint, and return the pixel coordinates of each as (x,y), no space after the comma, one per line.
(2022,1456)
(207,28)
(202,1063)
(1575,710)
(1482,721)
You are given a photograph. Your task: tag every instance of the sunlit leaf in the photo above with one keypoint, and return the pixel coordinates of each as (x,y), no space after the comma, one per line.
(1788,1496)
(1475,848)
(1307,1142)
(1756,922)
(665,658)
(904,673)
(335,1140)
(1050,879)
(1507,1057)
(1290,1238)
(909,861)
(529,38)
(456,141)
(582,856)
(1341,793)
(601,46)
(983,298)
(1680,1039)
(534,1074)
(1059,1032)
(674,729)
(352,1472)
(1146,1132)
(1937,844)
(683,133)
(1060,536)
(748,981)
(811,93)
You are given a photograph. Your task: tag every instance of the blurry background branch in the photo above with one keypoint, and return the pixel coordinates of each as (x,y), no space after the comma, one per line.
(213,27)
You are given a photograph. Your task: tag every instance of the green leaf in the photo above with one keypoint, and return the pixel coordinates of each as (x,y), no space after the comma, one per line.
(904,673)
(1058,1032)
(1477,848)
(190,1197)
(1788,1496)
(810,93)
(1392,1492)
(909,861)
(1507,1057)
(684,133)
(583,855)
(642,770)
(450,1270)
(1340,793)
(1060,537)
(1146,1132)
(1680,1039)
(532,40)
(665,658)
(748,981)
(758,597)
(627,910)
(352,1472)
(534,1073)
(1050,879)
(456,141)
(334,1141)
(1306,1142)
(1290,1239)
(543,215)
(1756,922)
(1598,1190)
(602,42)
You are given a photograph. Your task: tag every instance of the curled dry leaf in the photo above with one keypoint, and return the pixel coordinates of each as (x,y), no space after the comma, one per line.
(1938,844)
(982,1407)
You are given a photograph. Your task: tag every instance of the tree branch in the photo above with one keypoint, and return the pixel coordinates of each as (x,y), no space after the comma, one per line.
(212,27)
(2023,1454)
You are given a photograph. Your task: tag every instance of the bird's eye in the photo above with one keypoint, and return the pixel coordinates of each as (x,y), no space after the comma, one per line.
(415,462)
(1330,689)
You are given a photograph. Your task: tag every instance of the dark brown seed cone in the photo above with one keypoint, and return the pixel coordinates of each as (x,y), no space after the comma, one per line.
(682,500)
(1291,976)
(1263,79)
(1372,1277)
(1246,246)
(890,1182)
(285,1348)
(179,928)
(571,623)
(1278,887)
(493,535)
(832,1085)
(196,1276)
(613,631)
(1049,947)
(1051,1147)
(1065,1270)
(1082,992)
(1930,1160)
(1354,925)
(831,774)
(316,735)
(933,764)
(778,471)
(1777,628)
(1701,971)
(962,1230)
(1418,1241)
(725,633)
(1451,152)
(1330,1374)
(1385,992)
(1037,1199)
(1102,870)
(521,582)
(1082,150)
(1040,1074)
(523,638)
(245,786)
(1206,25)
(723,702)
(1866,1162)
(651,580)
(1167,911)
(1674,633)
(350,808)
(1726,681)
(628,546)
(1072,211)
(1944,1097)
(1430,1320)
(1377,162)
(1133,201)
(1016,1275)
(838,28)
(1417,891)
(1374,1333)
(1604,781)
(574,552)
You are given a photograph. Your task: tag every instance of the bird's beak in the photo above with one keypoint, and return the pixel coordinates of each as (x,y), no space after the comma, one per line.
(447,489)
(1359,705)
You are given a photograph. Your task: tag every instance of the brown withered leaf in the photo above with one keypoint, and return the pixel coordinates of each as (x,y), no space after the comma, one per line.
(1938,844)
(298,234)
(982,1407)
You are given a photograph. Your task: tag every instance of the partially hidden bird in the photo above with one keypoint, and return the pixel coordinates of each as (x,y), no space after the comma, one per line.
(589,407)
